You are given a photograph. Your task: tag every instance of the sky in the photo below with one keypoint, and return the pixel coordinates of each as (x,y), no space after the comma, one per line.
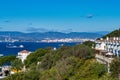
(59,15)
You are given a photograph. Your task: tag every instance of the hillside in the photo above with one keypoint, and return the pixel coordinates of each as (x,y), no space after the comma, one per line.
(66,63)
(51,35)
(115,33)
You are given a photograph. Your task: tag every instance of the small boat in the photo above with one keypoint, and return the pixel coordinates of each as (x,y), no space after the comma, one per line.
(61,44)
(1,55)
(14,46)
(21,46)
(11,46)
(54,48)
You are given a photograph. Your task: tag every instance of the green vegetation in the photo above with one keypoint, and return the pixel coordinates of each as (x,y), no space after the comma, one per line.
(35,57)
(6,60)
(17,64)
(115,68)
(66,63)
(90,43)
(115,33)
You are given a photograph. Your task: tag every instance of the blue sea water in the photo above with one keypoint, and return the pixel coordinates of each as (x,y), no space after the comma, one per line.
(30,46)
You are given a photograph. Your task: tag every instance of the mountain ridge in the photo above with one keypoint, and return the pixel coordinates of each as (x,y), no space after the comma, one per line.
(115,33)
(50,35)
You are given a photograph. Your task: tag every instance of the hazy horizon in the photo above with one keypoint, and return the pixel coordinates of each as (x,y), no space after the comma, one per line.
(59,15)
(102,32)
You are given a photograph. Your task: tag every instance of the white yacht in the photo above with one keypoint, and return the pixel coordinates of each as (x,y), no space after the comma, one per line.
(14,46)
(21,46)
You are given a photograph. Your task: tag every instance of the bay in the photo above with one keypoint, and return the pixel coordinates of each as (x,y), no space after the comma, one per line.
(30,46)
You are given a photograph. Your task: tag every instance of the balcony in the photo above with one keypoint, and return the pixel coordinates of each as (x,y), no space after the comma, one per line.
(103,59)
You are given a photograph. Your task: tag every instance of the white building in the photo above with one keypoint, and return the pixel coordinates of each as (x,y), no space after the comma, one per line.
(23,55)
(111,45)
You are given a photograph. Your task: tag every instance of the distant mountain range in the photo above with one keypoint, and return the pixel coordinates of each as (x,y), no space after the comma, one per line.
(49,35)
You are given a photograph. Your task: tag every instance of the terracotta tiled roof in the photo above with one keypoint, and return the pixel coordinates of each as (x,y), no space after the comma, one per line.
(24,51)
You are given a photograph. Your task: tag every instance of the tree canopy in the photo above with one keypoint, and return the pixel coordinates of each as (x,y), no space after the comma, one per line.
(90,43)
(17,64)
(115,68)
(7,59)
(115,33)
(66,63)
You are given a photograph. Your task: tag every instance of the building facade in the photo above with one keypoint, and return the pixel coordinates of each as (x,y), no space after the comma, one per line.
(107,49)
(111,45)
(23,54)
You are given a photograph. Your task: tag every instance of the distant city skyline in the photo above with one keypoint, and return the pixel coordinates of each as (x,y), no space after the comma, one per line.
(59,15)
